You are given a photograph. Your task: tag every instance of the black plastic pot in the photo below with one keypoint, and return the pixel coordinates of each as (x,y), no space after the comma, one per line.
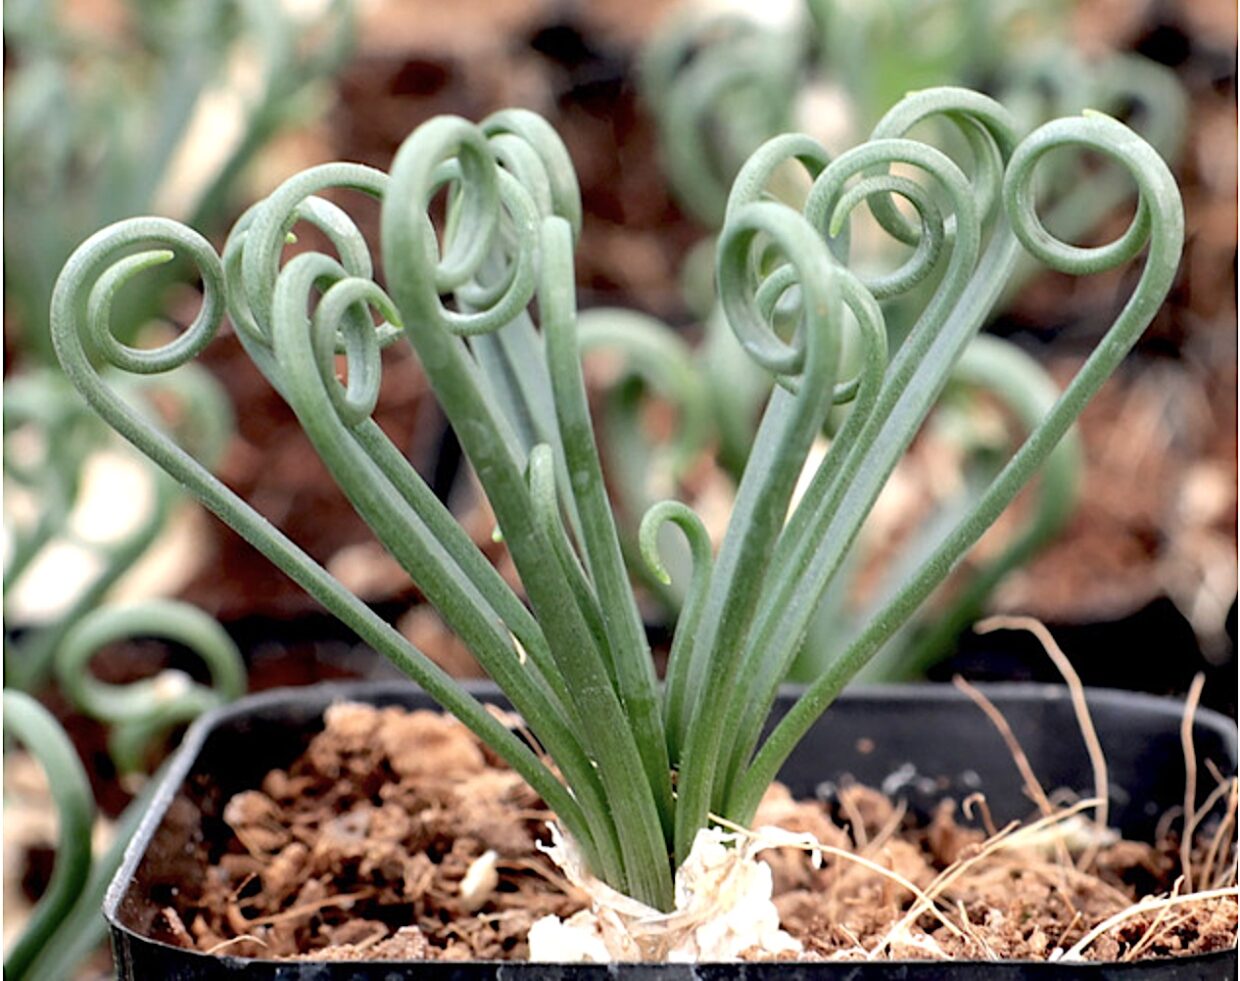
(920,742)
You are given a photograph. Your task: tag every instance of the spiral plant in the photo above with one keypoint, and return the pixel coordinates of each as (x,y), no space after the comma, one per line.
(632,770)
(719,83)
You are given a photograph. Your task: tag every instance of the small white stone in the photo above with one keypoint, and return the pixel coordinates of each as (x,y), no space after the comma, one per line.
(480,880)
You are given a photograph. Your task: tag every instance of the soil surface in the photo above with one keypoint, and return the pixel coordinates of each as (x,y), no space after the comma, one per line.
(397,835)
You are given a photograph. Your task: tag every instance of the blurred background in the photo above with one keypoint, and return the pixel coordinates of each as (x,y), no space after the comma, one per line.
(197,108)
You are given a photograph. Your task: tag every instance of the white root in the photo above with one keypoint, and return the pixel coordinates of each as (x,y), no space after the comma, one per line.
(723,907)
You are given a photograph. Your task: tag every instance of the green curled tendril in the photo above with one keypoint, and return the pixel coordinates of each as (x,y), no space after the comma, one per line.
(637,771)
(82,271)
(676,688)
(1159,226)
(143,709)
(655,363)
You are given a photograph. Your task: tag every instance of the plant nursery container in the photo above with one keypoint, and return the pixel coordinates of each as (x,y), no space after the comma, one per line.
(919,742)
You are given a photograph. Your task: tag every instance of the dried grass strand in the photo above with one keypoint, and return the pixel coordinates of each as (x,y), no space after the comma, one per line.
(1032,786)
(858,832)
(976,937)
(978,799)
(1076,918)
(223,944)
(1162,830)
(1076,691)
(1144,906)
(1007,838)
(1220,842)
(889,828)
(326,902)
(1147,938)
(1190,779)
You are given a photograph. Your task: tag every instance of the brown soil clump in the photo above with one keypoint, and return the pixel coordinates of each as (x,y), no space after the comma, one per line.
(398,836)
(368,846)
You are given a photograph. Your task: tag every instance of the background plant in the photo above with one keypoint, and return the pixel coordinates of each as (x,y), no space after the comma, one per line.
(639,769)
(161,106)
(720,83)
(1018,384)
(95,123)
(67,926)
(50,435)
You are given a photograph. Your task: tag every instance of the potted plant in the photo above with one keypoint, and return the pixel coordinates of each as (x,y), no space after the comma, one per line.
(632,772)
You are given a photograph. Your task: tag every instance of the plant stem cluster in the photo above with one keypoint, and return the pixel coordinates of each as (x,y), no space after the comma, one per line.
(631,768)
